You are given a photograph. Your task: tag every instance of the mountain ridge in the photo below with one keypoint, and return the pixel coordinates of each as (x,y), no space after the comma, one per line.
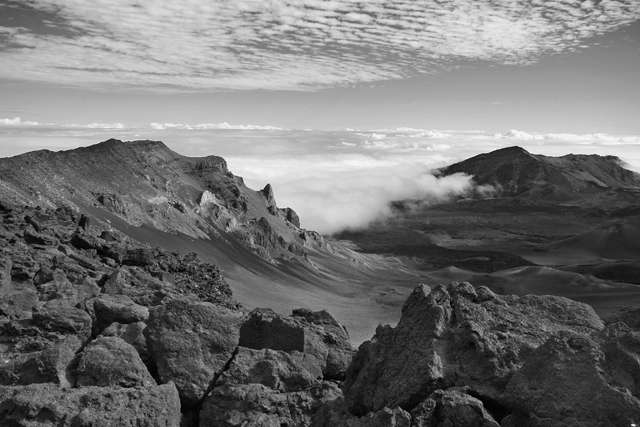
(146,182)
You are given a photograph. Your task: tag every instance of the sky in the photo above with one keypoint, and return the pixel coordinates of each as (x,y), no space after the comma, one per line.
(331,101)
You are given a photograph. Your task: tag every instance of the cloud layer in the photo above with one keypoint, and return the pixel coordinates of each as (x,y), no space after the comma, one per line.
(285,44)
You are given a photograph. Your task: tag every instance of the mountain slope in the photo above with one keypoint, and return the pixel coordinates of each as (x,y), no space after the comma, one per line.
(513,171)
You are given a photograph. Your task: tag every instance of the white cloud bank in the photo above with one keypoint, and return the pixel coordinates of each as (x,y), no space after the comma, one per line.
(286,44)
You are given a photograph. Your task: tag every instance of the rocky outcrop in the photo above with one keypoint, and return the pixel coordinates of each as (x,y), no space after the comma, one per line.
(463,356)
(267,193)
(577,380)
(278,374)
(457,336)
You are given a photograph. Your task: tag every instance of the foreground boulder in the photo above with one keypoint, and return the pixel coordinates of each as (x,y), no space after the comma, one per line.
(578,380)
(191,341)
(317,334)
(279,374)
(117,308)
(47,405)
(111,361)
(457,336)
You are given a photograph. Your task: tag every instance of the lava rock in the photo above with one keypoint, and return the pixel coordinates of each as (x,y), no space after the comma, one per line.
(452,407)
(259,405)
(111,361)
(132,333)
(190,342)
(117,308)
(275,369)
(457,336)
(577,380)
(325,338)
(47,405)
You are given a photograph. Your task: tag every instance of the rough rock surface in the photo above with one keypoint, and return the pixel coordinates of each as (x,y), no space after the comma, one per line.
(452,407)
(111,361)
(577,380)
(278,374)
(276,369)
(258,405)
(314,333)
(335,414)
(117,308)
(456,336)
(132,333)
(191,341)
(47,405)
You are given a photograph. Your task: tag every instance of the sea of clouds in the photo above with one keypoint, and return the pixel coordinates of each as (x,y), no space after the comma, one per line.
(334,180)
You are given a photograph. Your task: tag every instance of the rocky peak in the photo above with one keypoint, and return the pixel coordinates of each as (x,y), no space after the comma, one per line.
(267,192)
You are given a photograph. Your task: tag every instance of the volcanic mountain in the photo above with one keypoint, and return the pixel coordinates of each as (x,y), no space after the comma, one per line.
(515,172)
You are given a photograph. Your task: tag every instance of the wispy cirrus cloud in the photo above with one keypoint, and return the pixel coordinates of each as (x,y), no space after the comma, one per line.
(286,44)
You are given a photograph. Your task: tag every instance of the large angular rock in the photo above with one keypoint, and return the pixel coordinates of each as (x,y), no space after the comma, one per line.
(19,302)
(59,317)
(317,334)
(576,380)
(190,342)
(47,405)
(259,405)
(30,361)
(110,361)
(117,308)
(457,336)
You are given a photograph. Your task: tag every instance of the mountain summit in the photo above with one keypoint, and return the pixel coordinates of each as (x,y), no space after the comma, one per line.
(513,171)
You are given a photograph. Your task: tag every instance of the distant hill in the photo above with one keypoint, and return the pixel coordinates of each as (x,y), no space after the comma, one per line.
(515,172)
